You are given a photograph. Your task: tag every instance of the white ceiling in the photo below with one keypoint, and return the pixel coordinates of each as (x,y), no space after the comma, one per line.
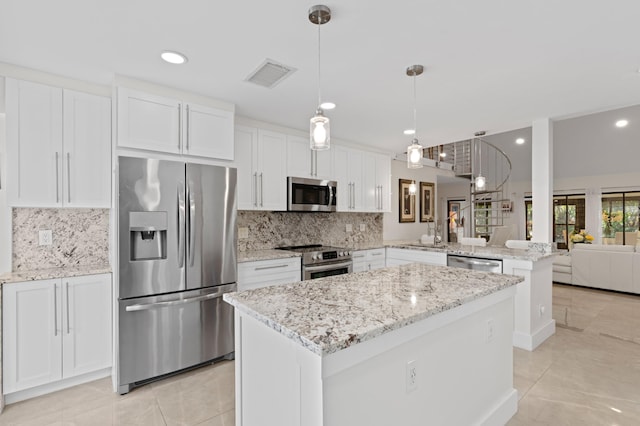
(491,65)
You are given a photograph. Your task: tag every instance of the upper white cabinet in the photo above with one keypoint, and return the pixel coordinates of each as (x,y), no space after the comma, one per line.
(348,172)
(58,146)
(261,162)
(303,162)
(168,125)
(55,329)
(377,178)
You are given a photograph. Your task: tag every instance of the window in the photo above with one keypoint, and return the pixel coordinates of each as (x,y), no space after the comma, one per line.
(483,219)
(620,217)
(568,214)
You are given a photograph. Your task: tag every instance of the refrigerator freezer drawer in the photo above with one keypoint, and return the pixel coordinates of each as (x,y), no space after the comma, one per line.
(163,334)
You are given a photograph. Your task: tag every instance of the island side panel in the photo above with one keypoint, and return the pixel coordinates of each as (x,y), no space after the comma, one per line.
(278,382)
(533,321)
(463,376)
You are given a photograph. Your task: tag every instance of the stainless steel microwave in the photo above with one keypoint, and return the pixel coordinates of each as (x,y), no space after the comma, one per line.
(311,195)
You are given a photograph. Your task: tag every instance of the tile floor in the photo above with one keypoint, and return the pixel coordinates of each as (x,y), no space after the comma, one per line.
(588,373)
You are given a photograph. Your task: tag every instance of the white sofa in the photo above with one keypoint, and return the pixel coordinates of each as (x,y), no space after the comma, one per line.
(610,267)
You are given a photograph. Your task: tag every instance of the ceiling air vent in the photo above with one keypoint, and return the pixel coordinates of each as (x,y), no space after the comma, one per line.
(270,73)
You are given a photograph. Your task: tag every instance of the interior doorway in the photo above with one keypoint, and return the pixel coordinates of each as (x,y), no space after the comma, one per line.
(455,228)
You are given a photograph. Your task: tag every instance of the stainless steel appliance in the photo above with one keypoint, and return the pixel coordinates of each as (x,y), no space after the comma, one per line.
(475,263)
(177,256)
(311,195)
(320,261)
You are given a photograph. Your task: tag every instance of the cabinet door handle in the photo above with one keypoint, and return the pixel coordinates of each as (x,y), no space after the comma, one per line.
(261,191)
(255,189)
(188,125)
(66,290)
(55,310)
(262,268)
(57,177)
(69,177)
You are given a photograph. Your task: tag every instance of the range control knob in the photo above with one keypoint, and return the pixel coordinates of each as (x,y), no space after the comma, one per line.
(314,257)
(341,253)
(347,253)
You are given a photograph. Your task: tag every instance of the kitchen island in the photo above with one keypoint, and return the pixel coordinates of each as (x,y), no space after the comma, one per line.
(411,345)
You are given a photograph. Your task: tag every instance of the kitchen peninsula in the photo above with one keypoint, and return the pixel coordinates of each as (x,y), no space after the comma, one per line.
(409,344)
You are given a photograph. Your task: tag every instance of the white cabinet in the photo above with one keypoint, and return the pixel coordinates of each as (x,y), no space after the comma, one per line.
(55,329)
(376,182)
(263,273)
(157,123)
(397,256)
(303,162)
(261,162)
(58,147)
(368,260)
(348,173)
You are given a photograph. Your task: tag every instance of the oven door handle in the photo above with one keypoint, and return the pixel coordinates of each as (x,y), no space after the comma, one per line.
(327,266)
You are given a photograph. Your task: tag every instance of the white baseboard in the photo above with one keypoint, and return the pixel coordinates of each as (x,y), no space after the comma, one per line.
(503,411)
(531,341)
(55,386)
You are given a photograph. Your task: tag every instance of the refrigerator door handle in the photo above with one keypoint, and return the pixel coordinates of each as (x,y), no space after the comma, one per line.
(191,235)
(181,224)
(148,306)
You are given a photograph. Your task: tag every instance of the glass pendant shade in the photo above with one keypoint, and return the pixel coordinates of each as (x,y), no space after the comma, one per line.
(481,182)
(319,132)
(412,188)
(414,155)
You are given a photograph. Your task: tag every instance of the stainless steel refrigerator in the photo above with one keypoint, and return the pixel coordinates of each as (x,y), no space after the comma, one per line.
(177,256)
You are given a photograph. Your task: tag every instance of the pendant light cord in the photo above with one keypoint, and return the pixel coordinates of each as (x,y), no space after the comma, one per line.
(415,125)
(319,80)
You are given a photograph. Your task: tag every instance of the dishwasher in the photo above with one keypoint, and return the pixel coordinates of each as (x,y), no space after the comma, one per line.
(475,263)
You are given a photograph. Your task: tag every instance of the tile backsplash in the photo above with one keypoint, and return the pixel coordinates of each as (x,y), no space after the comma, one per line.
(80,237)
(273,229)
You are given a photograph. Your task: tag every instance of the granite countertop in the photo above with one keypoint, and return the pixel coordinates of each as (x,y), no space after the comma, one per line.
(326,315)
(535,253)
(52,273)
(253,255)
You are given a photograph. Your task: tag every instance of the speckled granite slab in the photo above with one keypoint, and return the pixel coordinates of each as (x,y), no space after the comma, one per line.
(51,273)
(329,314)
(253,255)
(533,254)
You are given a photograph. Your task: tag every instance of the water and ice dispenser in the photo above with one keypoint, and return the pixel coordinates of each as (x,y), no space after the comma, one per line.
(148,235)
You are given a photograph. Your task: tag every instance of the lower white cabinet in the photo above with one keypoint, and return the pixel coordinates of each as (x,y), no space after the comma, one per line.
(55,329)
(368,260)
(263,273)
(397,256)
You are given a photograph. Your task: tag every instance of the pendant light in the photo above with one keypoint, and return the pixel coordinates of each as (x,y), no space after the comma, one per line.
(319,130)
(414,151)
(480,181)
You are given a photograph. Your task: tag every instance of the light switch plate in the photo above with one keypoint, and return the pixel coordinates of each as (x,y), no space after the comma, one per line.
(45,237)
(363,227)
(243,232)
(349,227)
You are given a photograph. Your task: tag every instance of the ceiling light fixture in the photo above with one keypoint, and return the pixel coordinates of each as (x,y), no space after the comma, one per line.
(520,141)
(415,150)
(327,105)
(319,131)
(412,188)
(622,123)
(480,181)
(443,154)
(173,57)
(409,132)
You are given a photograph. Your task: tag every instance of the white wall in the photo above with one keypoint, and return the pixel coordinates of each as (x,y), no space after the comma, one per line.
(392,228)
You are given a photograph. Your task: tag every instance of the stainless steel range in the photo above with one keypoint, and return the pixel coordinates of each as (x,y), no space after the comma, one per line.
(321,261)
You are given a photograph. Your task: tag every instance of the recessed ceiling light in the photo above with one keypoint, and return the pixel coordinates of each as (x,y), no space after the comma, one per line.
(622,123)
(443,154)
(409,132)
(520,141)
(173,57)
(327,105)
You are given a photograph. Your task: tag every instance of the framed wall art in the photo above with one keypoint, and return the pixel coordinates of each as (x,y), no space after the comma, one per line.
(427,201)
(406,202)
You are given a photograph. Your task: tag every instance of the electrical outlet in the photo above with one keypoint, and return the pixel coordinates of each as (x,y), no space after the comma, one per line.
(243,233)
(411,375)
(363,227)
(489,330)
(45,237)
(349,227)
